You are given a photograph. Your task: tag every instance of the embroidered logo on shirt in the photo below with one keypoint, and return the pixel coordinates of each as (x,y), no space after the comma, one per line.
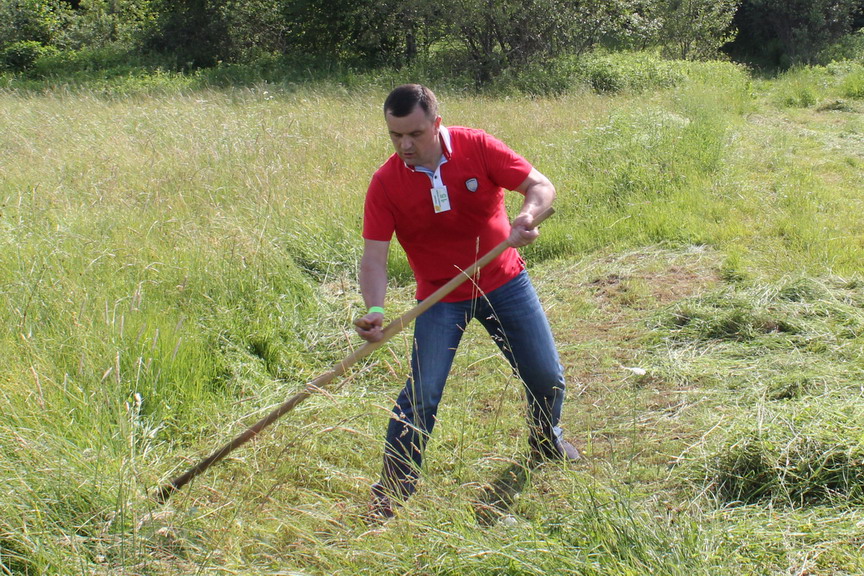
(471,184)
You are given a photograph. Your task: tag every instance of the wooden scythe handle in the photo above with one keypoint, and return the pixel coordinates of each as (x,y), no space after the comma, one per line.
(337,369)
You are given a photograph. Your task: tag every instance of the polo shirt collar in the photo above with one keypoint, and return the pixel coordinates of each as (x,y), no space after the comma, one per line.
(446,147)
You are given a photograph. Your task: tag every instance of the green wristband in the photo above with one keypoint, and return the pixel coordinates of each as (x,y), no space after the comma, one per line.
(378,309)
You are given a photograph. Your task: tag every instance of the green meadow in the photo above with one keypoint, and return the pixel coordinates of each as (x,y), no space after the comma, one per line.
(178,259)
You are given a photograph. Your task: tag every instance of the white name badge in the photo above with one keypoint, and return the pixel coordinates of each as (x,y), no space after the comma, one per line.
(440,199)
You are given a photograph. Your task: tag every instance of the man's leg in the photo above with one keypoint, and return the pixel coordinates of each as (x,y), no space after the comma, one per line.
(514,317)
(437,334)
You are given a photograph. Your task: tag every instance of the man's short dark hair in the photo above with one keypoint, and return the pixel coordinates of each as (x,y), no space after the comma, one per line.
(402,101)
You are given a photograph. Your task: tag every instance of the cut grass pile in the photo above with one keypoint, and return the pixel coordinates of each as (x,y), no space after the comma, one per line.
(792,354)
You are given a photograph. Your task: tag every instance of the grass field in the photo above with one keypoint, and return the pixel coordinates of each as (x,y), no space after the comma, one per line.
(175,262)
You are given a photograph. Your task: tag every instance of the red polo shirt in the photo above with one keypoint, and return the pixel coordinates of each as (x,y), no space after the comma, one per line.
(477,171)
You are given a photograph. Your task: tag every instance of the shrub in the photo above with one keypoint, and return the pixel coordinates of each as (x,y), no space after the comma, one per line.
(699,28)
(780,34)
(849,47)
(21,56)
(853,84)
(37,20)
(637,71)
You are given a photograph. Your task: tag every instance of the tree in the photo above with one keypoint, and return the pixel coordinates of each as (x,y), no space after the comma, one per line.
(632,24)
(192,31)
(499,34)
(785,32)
(364,31)
(695,29)
(31,20)
(98,23)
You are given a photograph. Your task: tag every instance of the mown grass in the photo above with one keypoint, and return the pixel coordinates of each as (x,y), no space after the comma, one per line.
(177,261)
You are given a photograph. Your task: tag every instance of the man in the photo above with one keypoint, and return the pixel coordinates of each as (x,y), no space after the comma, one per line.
(442,194)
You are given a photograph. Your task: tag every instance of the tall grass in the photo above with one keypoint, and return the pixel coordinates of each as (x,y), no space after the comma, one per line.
(176,261)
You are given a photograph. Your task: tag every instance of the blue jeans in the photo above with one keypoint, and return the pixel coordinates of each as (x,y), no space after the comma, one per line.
(514,318)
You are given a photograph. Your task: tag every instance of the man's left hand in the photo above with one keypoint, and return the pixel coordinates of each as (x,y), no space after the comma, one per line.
(522,231)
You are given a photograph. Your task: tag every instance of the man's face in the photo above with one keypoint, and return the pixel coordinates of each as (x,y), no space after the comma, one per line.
(415,138)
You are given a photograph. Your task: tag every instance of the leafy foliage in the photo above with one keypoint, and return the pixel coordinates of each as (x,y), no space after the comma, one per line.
(782,33)
(193,31)
(95,24)
(697,28)
(21,56)
(480,39)
(31,20)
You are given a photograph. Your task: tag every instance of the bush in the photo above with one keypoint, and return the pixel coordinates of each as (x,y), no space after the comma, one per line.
(849,47)
(782,33)
(37,20)
(21,56)
(699,28)
(853,84)
(636,71)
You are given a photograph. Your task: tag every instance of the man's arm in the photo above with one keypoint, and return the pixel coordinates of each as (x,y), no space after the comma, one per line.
(373,287)
(539,194)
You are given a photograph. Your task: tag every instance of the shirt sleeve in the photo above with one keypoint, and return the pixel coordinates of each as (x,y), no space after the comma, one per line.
(505,167)
(379,222)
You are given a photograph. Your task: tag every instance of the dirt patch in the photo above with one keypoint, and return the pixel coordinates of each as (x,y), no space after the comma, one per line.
(612,298)
(607,304)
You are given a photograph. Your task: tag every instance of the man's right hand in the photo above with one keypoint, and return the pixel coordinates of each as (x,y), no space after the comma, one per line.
(370,327)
